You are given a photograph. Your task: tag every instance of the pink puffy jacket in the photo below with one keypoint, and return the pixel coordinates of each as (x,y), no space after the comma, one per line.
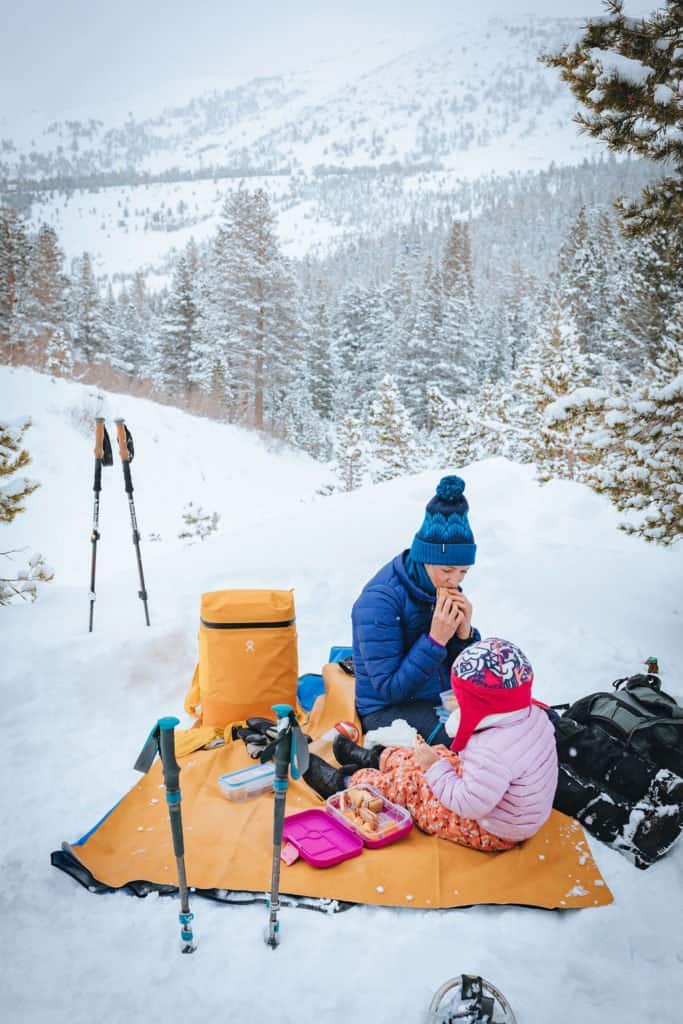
(509,775)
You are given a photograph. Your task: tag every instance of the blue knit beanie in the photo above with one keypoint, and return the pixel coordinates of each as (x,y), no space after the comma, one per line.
(445,537)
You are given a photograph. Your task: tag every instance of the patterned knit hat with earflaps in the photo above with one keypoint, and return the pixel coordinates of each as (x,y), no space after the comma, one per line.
(491,677)
(445,537)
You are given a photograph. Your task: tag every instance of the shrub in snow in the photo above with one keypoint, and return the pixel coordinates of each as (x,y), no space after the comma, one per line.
(17,583)
(198,524)
(14,489)
(21,584)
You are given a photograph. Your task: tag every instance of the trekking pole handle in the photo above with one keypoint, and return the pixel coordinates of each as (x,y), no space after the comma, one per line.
(121,438)
(99,437)
(171,770)
(282,746)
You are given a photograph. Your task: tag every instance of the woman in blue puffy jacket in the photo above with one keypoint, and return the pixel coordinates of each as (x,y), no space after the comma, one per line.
(412,620)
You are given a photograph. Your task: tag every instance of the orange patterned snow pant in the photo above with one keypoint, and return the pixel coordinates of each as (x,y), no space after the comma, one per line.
(401,780)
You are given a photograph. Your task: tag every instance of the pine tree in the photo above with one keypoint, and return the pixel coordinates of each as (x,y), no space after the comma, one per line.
(13,457)
(319,357)
(58,355)
(86,315)
(252,327)
(14,260)
(652,289)
(461,353)
(642,470)
(350,454)
(19,583)
(393,443)
(45,311)
(178,343)
(559,447)
(627,72)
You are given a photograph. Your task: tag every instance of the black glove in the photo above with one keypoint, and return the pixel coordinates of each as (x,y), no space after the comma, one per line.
(257,734)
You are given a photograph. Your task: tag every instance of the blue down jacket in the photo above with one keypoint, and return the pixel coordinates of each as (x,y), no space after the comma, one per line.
(393,657)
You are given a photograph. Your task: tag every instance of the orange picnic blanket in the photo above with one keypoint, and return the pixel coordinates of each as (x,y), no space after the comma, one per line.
(228,845)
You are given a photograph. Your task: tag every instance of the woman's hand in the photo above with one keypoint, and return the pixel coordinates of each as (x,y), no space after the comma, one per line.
(447,618)
(465,627)
(425,756)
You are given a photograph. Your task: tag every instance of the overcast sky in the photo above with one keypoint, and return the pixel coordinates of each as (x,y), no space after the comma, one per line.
(61,54)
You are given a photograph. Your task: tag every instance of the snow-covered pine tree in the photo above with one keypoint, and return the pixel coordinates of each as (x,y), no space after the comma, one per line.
(559,447)
(628,74)
(13,458)
(319,359)
(87,328)
(128,344)
(251,317)
(392,436)
(178,339)
(461,353)
(14,262)
(350,454)
(19,583)
(453,434)
(641,445)
(426,354)
(58,355)
(652,289)
(359,344)
(586,282)
(44,313)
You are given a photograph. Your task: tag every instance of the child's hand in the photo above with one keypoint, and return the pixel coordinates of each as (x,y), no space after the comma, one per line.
(425,756)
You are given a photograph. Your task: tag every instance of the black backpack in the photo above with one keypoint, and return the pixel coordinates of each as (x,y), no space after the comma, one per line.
(640,715)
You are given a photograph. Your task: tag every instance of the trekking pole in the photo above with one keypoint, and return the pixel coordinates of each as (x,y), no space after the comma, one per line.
(103,457)
(127,451)
(288,750)
(161,740)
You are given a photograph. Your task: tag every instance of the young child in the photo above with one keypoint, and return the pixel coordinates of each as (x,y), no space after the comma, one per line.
(498,789)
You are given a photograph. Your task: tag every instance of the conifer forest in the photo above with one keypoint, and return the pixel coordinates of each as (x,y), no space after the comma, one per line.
(534,314)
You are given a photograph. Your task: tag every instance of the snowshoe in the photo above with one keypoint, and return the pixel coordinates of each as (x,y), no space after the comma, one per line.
(469,999)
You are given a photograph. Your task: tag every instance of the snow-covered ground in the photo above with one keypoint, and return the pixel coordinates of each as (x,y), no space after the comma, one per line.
(585,602)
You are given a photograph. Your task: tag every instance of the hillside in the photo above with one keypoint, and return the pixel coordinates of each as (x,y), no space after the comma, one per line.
(341,147)
(587,604)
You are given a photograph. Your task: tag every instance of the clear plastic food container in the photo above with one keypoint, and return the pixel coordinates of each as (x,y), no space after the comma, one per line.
(246,783)
(375,819)
(448,700)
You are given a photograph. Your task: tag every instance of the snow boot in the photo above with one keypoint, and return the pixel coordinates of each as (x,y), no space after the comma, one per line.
(325,779)
(655,834)
(666,788)
(348,752)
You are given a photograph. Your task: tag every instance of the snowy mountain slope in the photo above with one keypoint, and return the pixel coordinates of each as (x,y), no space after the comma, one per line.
(340,146)
(587,603)
(467,90)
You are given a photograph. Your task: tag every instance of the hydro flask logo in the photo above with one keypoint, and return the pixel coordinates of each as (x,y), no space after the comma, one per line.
(249,647)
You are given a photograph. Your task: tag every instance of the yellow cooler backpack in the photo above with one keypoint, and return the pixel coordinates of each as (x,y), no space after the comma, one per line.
(247,656)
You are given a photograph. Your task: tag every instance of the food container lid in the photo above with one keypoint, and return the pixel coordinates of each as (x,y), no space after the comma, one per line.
(320,839)
(250,781)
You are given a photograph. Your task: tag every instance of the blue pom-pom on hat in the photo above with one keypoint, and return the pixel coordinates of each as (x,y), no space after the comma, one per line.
(445,537)
(450,488)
